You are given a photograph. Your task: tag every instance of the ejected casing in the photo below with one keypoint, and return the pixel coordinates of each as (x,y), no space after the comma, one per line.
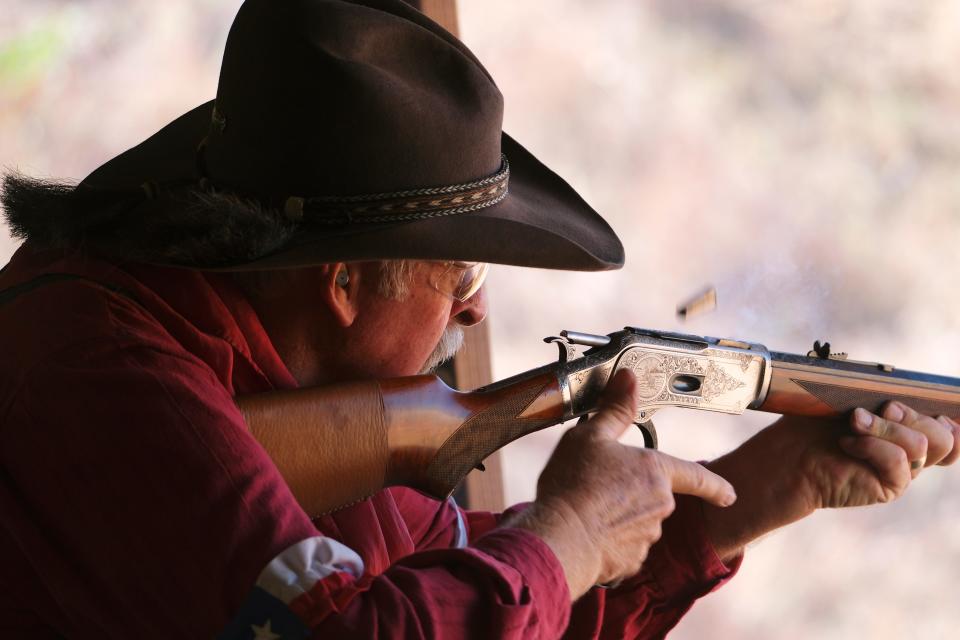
(703,302)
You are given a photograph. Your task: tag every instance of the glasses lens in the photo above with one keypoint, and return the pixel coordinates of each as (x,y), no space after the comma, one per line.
(461,280)
(471,280)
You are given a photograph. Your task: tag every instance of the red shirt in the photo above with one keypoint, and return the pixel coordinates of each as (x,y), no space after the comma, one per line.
(135,503)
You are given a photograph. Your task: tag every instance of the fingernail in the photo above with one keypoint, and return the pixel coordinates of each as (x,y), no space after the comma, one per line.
(862,418)
(730,498)
(894,412)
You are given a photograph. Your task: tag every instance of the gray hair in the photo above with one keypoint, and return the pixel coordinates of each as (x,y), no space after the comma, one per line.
(394,282)
(395,278)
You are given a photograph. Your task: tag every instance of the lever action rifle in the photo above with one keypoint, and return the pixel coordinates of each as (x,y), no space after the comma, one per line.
(338,444)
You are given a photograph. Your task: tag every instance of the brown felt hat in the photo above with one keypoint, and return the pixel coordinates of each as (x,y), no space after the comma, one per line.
(342,131)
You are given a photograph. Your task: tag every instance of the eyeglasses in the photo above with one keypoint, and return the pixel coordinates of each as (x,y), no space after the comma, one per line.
(460,280)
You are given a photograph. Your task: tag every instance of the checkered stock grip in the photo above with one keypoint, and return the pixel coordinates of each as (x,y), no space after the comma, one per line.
(500,417)
(807,386)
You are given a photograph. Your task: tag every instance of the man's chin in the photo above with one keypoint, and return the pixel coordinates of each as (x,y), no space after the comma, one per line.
(447,347)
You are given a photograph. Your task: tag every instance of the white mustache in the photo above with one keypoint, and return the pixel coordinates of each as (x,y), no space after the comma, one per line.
(447,347)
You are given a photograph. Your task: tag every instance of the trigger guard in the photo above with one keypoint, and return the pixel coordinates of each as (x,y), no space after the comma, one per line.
(649,433)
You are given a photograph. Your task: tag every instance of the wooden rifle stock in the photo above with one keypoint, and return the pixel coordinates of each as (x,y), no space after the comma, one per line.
(339,444)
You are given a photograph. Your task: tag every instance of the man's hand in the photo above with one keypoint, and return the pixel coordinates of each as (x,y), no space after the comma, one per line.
(798,465)
(600,504)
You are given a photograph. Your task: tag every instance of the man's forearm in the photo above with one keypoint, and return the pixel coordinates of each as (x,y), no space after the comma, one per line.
(762,470)
(799,465)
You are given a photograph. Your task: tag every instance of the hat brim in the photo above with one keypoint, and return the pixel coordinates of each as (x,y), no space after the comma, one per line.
(542,222)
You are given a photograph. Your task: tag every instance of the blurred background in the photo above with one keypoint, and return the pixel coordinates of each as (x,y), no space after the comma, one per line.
(801,156)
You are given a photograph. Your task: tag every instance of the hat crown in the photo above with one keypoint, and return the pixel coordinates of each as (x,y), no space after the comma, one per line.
(326,97)
(327,109)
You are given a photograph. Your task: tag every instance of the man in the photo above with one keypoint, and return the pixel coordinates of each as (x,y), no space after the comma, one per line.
(349,175)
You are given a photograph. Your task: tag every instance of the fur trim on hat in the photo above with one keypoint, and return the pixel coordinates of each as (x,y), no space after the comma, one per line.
(204,227)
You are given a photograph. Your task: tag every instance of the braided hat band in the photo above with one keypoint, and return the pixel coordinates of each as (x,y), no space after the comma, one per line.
(402,206)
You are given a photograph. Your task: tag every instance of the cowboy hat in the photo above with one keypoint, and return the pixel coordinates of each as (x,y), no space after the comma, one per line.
(340,131)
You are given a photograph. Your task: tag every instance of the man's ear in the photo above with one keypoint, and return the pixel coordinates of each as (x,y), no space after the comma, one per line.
(340,285)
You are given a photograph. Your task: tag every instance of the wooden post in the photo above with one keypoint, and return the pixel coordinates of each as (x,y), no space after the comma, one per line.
(443,12)
(471,367)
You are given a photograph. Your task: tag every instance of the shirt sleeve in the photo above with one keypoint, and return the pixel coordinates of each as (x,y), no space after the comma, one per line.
(134,488)
(680,568)
(506,585)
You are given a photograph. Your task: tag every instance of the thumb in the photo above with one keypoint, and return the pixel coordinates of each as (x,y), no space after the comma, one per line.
(618,405)
(694,479)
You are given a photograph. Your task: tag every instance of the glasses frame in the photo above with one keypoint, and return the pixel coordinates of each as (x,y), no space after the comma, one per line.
(471,278)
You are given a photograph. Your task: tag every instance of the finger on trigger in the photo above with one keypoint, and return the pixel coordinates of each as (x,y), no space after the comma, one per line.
(694,479)
(583,424)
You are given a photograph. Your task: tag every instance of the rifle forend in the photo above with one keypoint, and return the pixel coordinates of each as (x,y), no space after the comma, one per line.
(336,445)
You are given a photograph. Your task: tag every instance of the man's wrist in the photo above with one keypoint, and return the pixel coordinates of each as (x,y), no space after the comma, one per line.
(768,494)
(563,531)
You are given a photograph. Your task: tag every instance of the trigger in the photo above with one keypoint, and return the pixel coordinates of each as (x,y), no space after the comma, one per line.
(649,433)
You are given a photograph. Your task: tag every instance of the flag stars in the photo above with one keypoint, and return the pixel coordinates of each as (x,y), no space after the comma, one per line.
(264,632)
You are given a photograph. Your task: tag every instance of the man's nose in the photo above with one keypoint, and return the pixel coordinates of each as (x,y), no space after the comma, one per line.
(473,310)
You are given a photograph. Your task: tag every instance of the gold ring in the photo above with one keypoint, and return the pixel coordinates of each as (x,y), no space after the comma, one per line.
(918,463)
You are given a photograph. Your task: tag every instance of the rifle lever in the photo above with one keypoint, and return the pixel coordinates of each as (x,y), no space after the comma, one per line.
(649,433)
